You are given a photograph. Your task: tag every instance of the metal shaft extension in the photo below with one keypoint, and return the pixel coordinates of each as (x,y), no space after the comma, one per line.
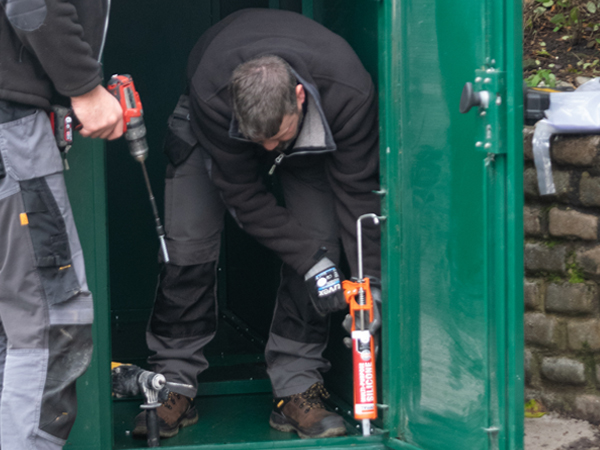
(159,228)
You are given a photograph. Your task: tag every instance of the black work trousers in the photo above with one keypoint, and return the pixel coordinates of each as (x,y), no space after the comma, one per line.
(184,319)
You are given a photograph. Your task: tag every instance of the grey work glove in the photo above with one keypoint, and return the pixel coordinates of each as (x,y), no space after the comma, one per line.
(325,287)
(375,325)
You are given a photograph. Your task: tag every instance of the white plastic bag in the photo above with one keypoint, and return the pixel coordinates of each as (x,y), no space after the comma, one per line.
(576,112)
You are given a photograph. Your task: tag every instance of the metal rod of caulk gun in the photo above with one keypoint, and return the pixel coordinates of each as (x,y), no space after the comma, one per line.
(366,423)
(361,291)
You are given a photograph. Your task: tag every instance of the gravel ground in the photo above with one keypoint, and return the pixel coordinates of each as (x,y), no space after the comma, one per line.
(552,432)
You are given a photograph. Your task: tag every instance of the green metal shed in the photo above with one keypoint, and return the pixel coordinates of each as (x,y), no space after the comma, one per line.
(452,353)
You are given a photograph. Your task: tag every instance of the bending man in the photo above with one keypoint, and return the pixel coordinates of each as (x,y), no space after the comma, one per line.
(270,89)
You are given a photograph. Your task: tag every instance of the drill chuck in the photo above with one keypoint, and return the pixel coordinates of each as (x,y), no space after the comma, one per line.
(136,138)
(151,380)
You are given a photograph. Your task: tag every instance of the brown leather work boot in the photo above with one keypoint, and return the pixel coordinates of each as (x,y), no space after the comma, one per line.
(305,414)
(176,412)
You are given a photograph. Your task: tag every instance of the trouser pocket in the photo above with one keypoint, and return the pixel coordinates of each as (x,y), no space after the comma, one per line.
(180,140)
(28,147)
(50,241)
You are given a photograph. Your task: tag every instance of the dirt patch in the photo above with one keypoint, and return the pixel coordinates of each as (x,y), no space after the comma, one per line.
(584,444)
(561,40)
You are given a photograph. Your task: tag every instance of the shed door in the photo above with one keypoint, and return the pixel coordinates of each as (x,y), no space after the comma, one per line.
(453,238)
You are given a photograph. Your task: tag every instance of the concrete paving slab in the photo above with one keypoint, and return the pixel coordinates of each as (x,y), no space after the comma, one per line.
(552,432)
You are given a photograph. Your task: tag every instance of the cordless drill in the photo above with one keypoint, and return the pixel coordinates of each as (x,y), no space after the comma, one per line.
(122,87)
(63,121)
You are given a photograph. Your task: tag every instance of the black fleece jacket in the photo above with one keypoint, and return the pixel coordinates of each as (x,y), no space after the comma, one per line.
(343,93)
(50,48)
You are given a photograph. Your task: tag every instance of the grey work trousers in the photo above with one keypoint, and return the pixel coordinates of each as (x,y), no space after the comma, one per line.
(184,319)
(46,310)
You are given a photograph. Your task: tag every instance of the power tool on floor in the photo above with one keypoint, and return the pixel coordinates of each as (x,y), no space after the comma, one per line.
(122,87)
(129,380)
(359,298)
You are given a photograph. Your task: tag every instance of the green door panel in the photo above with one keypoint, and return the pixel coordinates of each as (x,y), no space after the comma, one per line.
(86,186)
(452,254)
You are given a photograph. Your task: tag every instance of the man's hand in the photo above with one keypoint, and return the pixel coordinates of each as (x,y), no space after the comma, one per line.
(325,287)
(99,113)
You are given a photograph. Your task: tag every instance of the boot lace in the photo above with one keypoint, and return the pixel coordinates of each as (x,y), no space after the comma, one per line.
(171,400)
(311,398)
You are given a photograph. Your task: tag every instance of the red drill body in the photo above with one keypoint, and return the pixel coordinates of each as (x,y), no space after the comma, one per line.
(122,87)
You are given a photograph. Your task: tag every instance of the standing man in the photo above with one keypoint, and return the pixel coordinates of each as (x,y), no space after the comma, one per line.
(276,89)
(49,52)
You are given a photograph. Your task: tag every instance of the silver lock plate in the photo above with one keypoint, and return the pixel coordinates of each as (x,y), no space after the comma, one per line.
(491,86)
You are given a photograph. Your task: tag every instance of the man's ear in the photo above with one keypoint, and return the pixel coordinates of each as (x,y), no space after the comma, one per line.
(300,96)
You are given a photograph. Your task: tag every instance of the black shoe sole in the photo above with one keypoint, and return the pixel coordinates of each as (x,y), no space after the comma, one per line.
(281,423)
(190,418)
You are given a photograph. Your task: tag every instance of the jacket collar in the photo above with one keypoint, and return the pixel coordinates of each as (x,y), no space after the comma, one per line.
(315,135)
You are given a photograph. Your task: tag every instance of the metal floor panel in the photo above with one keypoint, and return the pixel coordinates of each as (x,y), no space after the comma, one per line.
(232,422)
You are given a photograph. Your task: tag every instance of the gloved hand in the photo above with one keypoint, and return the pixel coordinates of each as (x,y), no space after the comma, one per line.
(375,325)
(325,287)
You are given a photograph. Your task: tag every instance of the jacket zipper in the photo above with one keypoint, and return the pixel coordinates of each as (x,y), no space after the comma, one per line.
(276,163)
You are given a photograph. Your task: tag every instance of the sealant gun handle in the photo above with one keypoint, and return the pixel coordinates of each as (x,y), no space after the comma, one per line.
(360,300)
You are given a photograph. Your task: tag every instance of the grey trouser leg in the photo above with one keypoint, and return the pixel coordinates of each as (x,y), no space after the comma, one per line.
(184,319)
(45,307)
(298,334)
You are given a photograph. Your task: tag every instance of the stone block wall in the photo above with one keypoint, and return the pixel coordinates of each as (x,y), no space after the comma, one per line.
(562,272)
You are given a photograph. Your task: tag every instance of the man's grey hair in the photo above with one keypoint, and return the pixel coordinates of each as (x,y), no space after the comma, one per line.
(263,91)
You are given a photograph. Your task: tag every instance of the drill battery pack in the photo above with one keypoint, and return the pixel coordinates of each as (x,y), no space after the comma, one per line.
(63,122)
